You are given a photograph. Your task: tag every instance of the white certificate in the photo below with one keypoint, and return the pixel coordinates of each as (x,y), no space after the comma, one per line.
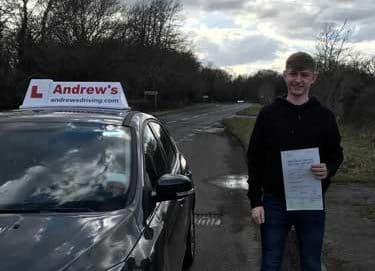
(302,190)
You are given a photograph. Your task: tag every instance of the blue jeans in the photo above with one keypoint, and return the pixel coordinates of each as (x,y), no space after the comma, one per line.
(309,227)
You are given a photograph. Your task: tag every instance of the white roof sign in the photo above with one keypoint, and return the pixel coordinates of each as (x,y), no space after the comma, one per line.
(47,93)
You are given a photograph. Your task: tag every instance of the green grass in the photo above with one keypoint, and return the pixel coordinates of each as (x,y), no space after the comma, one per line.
(359,148)
(250,111)
(371,211)
(359,153)
(240,127)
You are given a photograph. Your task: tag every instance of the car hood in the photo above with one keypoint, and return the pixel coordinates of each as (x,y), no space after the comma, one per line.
(38,242)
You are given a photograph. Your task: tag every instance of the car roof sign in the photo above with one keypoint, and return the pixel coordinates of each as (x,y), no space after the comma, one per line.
(47,93)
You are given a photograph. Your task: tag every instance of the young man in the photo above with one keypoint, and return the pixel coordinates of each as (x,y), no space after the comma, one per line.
(297,121)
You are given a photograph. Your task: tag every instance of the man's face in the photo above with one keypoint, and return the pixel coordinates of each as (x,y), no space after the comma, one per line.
(299,81)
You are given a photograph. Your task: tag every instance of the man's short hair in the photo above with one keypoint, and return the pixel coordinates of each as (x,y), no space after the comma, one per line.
(300,61)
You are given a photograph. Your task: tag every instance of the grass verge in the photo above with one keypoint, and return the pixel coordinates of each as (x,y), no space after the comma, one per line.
(359,153)
(371,212)
(250,111)
(359,147)
(240,127)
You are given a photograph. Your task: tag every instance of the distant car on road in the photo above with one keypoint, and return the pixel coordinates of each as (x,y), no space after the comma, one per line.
(91,187)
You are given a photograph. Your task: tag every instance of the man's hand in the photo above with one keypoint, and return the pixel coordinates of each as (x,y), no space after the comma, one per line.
(257,214)
(320,171)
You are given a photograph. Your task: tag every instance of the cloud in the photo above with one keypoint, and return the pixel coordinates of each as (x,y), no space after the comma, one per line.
(218,20)
(367,48)
(303,20)
(365,32)
(242,34)
(286,19)
(214,5)
(350,14)
(234,51)
(225,5)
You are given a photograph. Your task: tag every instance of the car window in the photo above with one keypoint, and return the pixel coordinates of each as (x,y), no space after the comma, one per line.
(166,142)
(153,154)
(64,165)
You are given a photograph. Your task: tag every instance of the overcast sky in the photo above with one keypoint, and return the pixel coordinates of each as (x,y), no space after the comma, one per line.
(243,36)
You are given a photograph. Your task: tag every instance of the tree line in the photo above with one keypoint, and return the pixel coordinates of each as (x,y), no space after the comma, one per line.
(141,46)
(91,40)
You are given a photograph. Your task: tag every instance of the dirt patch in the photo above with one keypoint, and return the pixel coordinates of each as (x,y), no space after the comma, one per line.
(350,229)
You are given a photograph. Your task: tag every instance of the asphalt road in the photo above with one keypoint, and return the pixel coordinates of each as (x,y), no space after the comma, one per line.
(184,124)
(226,238)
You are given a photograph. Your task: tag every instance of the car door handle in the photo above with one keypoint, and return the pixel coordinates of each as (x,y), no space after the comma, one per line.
(188,174)
(181,202)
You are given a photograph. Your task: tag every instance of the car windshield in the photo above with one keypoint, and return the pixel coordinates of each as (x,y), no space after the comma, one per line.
(64,166)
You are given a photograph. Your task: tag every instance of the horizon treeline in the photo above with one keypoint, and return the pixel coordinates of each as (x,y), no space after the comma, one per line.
(141,46)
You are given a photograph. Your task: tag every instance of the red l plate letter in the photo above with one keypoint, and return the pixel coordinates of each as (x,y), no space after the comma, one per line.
(35,93)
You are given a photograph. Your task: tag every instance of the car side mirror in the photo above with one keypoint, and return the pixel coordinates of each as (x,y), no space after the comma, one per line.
(173,186)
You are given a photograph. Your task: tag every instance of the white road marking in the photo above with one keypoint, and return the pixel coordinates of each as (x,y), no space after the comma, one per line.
(208,220)
(232,182)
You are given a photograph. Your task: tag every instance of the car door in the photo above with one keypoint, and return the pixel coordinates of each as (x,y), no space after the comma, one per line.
(162,217)
(179,211)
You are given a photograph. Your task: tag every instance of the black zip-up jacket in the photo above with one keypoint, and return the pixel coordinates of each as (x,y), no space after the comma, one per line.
(282,126)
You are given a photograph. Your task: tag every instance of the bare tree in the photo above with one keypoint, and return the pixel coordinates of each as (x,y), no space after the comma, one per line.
(368,65)
(5,38)
(23,35)
(154,23)
(46,7)
(79,21)
(331,46)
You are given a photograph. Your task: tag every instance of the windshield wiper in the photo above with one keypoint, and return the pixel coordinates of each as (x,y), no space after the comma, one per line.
(18,211)
(21,208)
(66,210)
(41,208)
